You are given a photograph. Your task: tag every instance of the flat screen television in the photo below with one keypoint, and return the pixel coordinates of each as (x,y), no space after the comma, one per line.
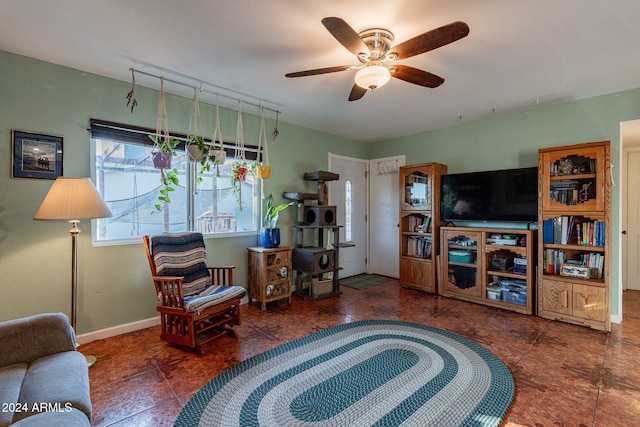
(501,195)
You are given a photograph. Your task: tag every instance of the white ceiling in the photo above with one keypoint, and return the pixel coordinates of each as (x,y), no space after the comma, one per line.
(519,54)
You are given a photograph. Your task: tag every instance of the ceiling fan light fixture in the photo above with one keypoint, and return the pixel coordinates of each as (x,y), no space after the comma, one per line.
(373,77)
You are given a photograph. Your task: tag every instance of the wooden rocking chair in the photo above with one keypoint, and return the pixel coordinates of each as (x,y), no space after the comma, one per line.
(196,303)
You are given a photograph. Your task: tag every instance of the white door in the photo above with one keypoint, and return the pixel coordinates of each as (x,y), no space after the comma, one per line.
(349,195)
(633,221)
(384,216)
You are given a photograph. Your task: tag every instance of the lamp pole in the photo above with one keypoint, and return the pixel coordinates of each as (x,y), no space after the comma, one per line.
(74,270)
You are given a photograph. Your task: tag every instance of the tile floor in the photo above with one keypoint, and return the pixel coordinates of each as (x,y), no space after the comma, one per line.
(565,375)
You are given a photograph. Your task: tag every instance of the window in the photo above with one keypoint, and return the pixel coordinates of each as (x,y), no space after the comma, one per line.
(129,184)
(348,212)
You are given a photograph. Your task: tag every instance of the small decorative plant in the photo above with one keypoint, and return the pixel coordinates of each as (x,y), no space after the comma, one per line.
(272,213)
(239,172)
(163,150)
(203,153)
(168,177)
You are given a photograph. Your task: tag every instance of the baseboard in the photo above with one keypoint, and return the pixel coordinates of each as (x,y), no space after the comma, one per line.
(117,330)
(127,327)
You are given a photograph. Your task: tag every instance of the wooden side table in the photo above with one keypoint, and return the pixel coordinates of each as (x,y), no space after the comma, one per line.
(269,274)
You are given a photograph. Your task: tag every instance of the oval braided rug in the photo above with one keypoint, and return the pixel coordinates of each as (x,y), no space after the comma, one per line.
(382,373)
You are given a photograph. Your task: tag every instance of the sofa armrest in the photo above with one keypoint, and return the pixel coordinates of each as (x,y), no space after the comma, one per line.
(27,339)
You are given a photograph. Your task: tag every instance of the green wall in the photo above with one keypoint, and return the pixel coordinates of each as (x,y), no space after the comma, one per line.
(512,141)
(115,286)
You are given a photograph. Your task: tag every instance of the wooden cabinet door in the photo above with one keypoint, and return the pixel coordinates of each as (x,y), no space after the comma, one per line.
(593,181)
(416,274)
(557,297)
(416,188)
(588,302)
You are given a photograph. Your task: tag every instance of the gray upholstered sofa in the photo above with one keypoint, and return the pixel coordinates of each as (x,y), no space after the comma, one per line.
(44,381)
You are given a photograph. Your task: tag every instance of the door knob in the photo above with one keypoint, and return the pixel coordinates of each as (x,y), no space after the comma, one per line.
(624,231)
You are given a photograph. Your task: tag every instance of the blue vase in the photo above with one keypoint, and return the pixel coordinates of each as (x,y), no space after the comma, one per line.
(270,238)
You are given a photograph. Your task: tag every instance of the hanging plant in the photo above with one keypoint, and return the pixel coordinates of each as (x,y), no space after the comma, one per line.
(239,169)
(276,132)
(163,151)
(198,149)
(169,178)
(131,96)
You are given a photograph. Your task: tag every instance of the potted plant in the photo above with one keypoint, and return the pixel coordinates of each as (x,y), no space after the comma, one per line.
(270,235)
(197,148)
(202,152)
(239,172)
(163,150)
(162,153)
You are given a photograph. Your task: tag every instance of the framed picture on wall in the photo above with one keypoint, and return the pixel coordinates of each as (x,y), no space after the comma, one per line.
(36,155)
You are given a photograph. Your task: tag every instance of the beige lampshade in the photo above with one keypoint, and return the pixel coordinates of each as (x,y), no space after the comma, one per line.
(72,199)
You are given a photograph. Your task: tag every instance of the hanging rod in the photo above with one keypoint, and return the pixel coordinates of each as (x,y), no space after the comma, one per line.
(166,79)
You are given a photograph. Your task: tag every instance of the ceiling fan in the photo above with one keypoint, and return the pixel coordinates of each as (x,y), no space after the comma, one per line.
(374,50)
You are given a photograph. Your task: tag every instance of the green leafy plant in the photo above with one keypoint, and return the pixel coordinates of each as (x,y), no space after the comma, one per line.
(203,154)
(169,178)
(164,144)
(272,212)
(239,172)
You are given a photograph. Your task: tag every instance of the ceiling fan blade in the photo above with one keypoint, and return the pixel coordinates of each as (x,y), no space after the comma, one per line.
(431,40)
(416,76)
(357,92)
(319,71)
(346,35)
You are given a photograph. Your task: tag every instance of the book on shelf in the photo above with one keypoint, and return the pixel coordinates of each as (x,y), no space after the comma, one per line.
(555,258)
(573,230)
(419,246)
(419,223)
(572,192)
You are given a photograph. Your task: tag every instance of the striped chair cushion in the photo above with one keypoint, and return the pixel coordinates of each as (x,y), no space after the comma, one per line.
(185,255)
(182,255)
(212,295)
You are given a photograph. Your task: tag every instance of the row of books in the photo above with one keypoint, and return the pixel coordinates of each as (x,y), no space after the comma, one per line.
(570,230)
(573,165)
(554,259)
(419,223)
(419,178)
(419,246)
(570,197)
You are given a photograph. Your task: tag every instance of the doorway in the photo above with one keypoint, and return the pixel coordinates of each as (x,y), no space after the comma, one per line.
(384,199)
(630,135)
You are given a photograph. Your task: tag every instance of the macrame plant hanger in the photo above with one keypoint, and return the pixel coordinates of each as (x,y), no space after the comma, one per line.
(218,150)
(194,122)
(264,168)
(162,129)
(162,158)
(239,172)
(198,152)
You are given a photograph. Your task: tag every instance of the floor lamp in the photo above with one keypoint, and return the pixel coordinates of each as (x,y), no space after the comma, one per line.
(73,199)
